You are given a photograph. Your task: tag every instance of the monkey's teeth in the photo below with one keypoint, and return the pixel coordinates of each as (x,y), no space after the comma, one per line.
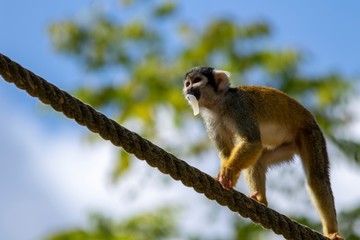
(194,103)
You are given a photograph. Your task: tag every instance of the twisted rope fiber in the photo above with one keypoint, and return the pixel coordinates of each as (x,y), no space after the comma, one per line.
(155,156)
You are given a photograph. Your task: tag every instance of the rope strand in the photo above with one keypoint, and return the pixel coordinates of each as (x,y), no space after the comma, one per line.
(155,156)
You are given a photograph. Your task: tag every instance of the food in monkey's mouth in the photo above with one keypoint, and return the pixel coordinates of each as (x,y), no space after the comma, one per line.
(194,103)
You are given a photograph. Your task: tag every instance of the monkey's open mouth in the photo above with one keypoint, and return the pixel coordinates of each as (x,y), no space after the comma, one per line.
(195,92)
(194,103)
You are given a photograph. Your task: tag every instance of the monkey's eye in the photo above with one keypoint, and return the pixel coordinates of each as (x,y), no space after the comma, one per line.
(187,83)
(197,79)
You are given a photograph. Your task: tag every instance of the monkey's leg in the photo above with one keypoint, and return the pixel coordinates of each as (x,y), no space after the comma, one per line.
(255,175)
(242,156)
(316,165)
(255,179)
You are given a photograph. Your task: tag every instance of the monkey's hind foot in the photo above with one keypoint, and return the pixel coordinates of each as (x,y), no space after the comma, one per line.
(256,196)
(335,236)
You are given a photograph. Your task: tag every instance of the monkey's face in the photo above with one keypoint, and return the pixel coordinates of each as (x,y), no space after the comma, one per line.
(198,83)
(195,84)
(206,84)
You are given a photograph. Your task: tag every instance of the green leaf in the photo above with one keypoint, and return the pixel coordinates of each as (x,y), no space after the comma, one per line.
(123,164)
(165,9)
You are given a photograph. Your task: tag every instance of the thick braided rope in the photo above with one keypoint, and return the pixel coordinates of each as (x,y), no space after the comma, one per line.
(155,156)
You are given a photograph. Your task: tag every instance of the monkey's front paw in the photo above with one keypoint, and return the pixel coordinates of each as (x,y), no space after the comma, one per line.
(225,177)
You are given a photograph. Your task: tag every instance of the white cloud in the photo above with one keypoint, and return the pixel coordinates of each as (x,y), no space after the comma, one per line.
(47,179)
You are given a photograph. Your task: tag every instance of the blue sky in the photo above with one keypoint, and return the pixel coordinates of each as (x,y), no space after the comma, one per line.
(43,158)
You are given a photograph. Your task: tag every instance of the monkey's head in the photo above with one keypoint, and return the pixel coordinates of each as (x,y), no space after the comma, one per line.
(206,84)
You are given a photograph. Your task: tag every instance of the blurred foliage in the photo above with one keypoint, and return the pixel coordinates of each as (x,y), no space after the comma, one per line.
(350,223)
(146,56)
(157,225)
(249,230)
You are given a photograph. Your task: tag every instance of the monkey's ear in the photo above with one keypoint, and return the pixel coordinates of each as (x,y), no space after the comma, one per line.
(221,79)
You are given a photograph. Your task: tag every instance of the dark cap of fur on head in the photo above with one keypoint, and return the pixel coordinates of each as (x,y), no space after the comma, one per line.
(206,71)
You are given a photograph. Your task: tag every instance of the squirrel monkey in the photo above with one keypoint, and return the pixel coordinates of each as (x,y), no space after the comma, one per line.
(256,127)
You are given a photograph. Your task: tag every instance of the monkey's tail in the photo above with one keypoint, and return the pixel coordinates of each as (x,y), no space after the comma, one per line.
(315,160)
